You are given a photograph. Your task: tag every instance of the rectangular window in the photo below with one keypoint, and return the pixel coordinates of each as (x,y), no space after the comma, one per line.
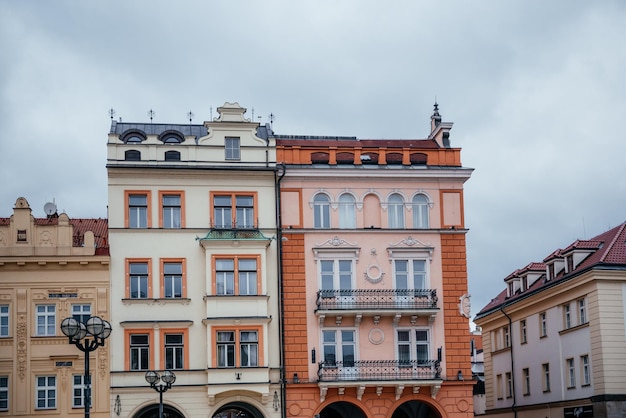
(174,352)
(339,348)
(4,321)
(395,211)
(138,280)
(509,385)
(46,320)
(413,345)
(240,205)
(571,373)
(526,381)
(336,274)
(232,147)
(171,209)
(499,387)
(543,325)
(78,390)
(523,333)
(173,279)
(139,351)
(249,348)
(410,274)
(567,316)
(46,392)
(4,393)
(582,312)
(238,348)
(321,211)
(584,370)
(246,272)
(81,312)
(137,210)
(546,377)
(507,336)
(226,349)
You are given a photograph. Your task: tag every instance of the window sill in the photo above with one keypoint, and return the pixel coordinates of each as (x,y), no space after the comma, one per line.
(574,328)
(156,301)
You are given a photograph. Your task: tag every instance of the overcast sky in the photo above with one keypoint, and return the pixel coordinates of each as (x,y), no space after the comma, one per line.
(536,90)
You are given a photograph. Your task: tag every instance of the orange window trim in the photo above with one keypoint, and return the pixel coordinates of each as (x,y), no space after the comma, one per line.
(148,194)
(236,257)
(127,334)
(234,195)
(127,267)
(185,333)
(183,263)
(237,330)
(180,193)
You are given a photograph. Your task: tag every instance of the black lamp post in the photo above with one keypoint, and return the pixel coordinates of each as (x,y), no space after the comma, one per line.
(87,337)
(168,377)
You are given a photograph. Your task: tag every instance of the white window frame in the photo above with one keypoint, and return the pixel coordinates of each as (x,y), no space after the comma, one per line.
(499,387)
(582,311)
(545,377)
(523,331)
(78,390)
(137,211)
(174,351)
(81,312)
(526,380)
(395,211)
(585,371)
(252,346)
(411,273)
(570,369)
(567,316)
(421,208)
(45,313)
(321,211)
(506,332)
(171,210)
(413,343)
(139,281)
(543,324)
(226,349)
(232,148)
(508,376)
(5,321)
(172,280)
(137,351)
(347,211)
(341,346)
(342,271)
(45,392)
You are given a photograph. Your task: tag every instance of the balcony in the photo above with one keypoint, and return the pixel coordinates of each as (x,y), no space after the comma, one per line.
(377,303)
(378,370)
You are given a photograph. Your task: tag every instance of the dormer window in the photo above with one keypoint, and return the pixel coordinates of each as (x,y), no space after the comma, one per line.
(570,263)
(550,271)
(171,137)
(232,148)
(133,136)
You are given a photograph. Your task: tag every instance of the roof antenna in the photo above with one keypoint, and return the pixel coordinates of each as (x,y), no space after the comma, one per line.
(151,113)
(111,113)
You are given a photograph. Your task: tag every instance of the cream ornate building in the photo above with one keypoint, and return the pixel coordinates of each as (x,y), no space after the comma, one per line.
(194,268)
(50,268)
(555,337)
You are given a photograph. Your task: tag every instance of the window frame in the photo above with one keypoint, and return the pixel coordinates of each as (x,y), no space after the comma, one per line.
(236,273)
(508,377)
(545,377)
(128,334)
(411,273)
(347,211)
(523,331)
(184,347)
(5,320)
(567,316)
(420,211)
(585,370)
(499,387)
(581,305)
(237,346)
(163,223)
(50,402)
(526,381)
(81,387)
(543,324)
(182,276)
(233,210)
(339,346)
(127,204)
(50,329)
(395,211)
(414,344)
(321,211)
(338,274)
(129,284)
(4,393)
(232,148)
(80,313)
(570,373)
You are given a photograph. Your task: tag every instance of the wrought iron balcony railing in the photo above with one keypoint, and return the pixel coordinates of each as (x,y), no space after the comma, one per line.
(378,370)
(416,299)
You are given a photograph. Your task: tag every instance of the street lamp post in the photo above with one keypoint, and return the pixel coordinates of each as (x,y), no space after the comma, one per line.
(87,336)
(168,377)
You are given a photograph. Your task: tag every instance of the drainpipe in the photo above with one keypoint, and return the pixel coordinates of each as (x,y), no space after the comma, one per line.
(513,407)
(279,261)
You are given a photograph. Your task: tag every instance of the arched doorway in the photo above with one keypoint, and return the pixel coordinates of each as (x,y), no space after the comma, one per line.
(238,410)
(415,409)
(342,410)
(152,411)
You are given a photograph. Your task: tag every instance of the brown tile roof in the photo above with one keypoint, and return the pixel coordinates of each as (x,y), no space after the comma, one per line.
(609,250)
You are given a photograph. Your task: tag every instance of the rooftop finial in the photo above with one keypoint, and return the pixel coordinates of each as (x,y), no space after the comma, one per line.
(112,113)
(151,113)
(436,110)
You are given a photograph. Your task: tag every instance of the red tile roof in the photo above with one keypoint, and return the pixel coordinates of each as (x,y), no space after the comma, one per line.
(606,250)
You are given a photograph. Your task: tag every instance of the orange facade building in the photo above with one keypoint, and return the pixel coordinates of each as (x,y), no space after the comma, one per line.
(375,303)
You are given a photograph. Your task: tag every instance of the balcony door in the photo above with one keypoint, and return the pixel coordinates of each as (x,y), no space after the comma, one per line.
(337,278)
(409,280)
(340,352)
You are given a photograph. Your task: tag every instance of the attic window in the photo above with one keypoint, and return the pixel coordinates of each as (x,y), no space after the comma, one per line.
(132,155)
(171,137)
(172,156)
(133,136)
(232,147)
(21,235)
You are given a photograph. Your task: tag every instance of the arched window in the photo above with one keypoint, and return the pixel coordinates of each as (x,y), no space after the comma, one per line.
(171,137)
(321,211)
(347,211)
(133,136)
(395,211)
(420,212)
(132,155)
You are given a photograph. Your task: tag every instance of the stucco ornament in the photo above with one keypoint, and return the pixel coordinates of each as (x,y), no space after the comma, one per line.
(465,305)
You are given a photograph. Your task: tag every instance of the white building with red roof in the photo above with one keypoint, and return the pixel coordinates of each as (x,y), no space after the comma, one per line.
(555,338)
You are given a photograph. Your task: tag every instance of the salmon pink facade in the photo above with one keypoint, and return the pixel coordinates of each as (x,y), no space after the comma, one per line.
(375,302)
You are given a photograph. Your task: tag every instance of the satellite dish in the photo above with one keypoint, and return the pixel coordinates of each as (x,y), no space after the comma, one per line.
(50,208)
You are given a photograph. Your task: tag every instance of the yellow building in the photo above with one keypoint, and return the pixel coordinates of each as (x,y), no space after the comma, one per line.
(50,268)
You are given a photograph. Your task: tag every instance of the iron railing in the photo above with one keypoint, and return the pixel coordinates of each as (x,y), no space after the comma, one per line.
(378,370)
(377,299)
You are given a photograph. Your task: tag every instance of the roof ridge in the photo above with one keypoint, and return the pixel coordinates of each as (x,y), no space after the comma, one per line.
(610,246)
